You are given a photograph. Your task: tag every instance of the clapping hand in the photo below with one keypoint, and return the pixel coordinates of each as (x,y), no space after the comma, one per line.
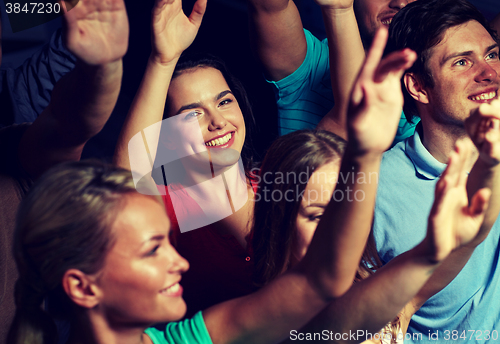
(454,223)
(483,127)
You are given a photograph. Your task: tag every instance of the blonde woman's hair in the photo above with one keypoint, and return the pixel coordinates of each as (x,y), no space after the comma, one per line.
(63,223)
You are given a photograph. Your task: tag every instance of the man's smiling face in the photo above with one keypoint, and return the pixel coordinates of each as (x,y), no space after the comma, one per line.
(465,68)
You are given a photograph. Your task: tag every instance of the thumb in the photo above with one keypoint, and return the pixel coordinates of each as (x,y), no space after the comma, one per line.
(196,15)
(479,202)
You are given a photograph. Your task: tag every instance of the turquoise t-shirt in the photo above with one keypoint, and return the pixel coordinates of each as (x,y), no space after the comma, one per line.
(189,331)
(305,96)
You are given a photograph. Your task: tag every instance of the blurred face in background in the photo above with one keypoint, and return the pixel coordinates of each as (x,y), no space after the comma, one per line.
(371,14)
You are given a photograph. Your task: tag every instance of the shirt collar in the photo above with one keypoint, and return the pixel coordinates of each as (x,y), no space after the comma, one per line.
(425,164)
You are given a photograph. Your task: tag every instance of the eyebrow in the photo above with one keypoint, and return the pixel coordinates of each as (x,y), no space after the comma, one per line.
(198,104)
(465,53)
(158,237)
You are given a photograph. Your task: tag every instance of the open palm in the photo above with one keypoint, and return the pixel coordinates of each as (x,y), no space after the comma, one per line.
(454,223)
(97,31)
(376,99)
(173,32)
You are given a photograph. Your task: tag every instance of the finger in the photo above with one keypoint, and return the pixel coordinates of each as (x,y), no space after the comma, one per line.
(375,53)
(198,11)
(451,173)
(396,63)
(358,94)
(479,202)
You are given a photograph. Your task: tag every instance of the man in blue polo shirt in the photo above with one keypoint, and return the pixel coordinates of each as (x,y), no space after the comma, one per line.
(453,87)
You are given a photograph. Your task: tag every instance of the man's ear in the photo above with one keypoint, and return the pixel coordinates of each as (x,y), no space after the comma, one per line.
(415,88)
(81,288)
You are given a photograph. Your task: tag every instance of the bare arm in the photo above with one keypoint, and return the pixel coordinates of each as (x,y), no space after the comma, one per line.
(453,224)
(172,33)
(346,58)
(83,100)
(277,36)
(328,269)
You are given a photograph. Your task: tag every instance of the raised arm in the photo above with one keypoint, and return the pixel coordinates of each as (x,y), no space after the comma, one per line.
(346,58)
(82,101)
(277,36)
(328,269)
(453,224)
(172,33)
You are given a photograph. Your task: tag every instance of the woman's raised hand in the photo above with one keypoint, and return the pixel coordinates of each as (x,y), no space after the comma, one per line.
(172,31)
(376,99)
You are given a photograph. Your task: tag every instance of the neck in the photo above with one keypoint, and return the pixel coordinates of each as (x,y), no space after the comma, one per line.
(440,140)
(96,329)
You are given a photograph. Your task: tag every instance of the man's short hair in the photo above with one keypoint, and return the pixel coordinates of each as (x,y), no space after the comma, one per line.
(421,26)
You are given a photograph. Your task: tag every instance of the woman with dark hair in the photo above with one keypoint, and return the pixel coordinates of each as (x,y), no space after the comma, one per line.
(201,160)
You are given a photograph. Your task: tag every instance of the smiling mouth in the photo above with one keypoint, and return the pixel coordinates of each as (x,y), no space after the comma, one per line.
(484,96)
(220,141)
(387,21)
(172,289)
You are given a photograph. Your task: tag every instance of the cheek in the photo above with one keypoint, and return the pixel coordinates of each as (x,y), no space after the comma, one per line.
(304,233)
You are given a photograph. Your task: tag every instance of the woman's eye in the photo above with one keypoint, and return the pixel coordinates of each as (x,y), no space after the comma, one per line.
(225,102)
(153,251)
(315,217)
(192,115)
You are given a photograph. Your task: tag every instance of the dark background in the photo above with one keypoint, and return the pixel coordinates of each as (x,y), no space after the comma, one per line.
(224,32)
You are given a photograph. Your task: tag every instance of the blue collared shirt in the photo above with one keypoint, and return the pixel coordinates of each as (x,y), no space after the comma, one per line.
(408,176)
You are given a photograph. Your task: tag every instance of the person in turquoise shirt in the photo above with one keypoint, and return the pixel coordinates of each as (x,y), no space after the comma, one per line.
(308,74)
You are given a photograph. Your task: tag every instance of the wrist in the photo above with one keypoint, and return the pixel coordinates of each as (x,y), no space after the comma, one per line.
(427,254)
(363,156)
(157,61)
(488,164)
(335,11)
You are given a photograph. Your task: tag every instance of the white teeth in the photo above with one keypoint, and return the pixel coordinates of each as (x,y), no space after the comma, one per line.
(220,141)
(173,289)
(387,22)
(485,96)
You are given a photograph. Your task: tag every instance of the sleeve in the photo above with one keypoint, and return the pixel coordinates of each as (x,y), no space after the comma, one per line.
(405,129)
(30,85)
(305,96)
(188,331)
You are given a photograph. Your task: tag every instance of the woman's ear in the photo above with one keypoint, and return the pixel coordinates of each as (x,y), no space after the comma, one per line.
(81,288)
(415,88)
